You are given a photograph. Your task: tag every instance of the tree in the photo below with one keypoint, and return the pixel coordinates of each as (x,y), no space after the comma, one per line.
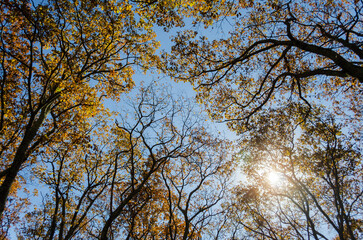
(61,59)
(276,51)
(279,60)
(319,184)
(156,174)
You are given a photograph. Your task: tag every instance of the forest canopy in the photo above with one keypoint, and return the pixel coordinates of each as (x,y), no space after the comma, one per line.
(88,151)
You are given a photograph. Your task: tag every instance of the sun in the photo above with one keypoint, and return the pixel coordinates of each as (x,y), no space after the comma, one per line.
(274,178)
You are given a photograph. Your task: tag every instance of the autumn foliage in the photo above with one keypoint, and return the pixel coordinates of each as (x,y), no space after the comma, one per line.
(89,152)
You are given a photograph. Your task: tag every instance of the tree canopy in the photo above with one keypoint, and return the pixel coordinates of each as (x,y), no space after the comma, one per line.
(287,79)
(318,184)
(275,51)
(285,76)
